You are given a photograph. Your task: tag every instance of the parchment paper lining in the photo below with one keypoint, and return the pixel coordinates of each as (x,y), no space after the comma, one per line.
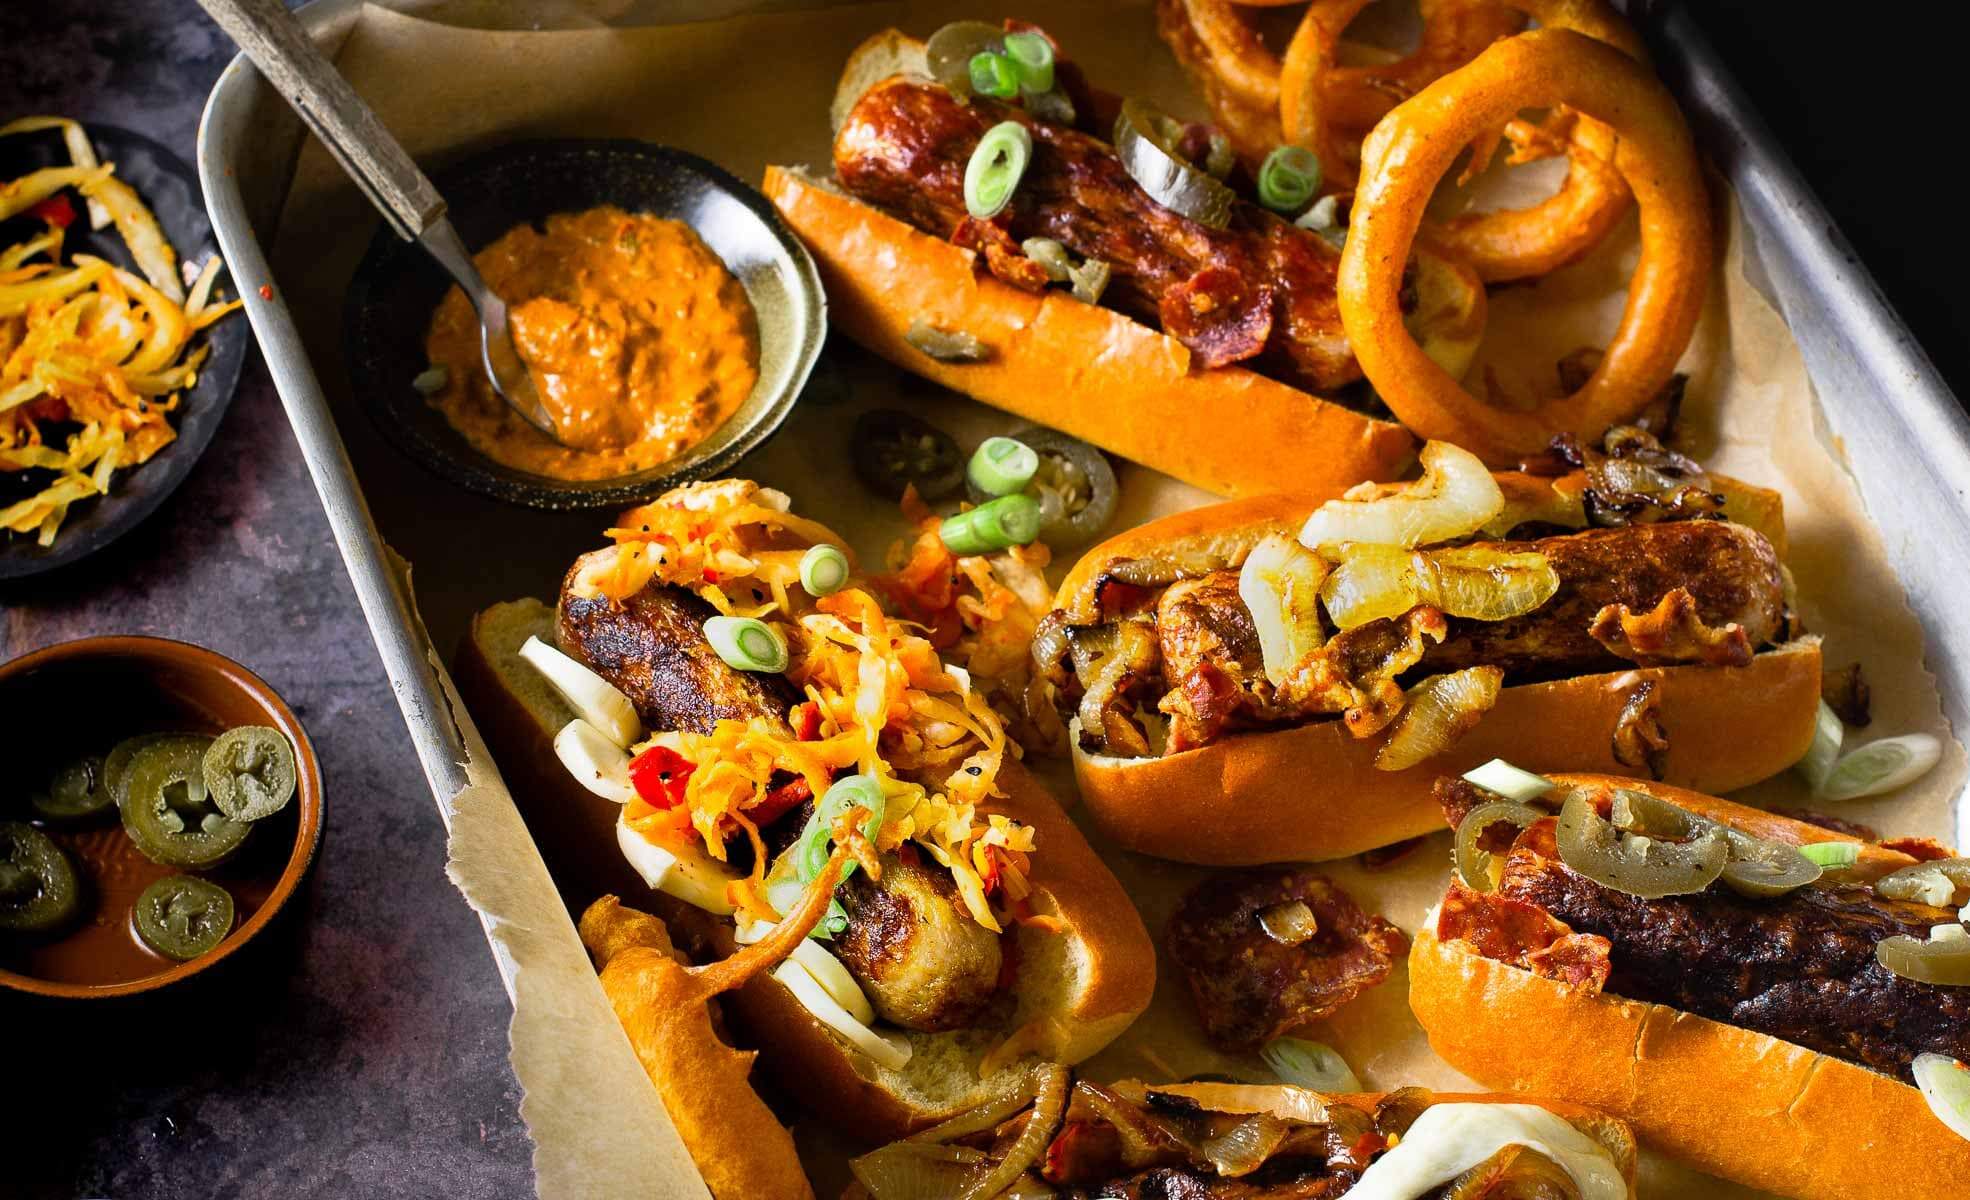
(750,90)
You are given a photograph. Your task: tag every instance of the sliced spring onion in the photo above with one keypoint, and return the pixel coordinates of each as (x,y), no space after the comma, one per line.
(823,569)
(1833,856)
(594,699)
(1145,141)
(595,761)
(1509,781)
(1324,219)
(1309,1065)
(1945,1084)
(1881,767)
(1002,465)
(1828,731)
(996,525)
(849,792)
(996,167)
(1051,255)
(891,1053)
(994,75)
(1031,56)
(746,643)
(1288,178)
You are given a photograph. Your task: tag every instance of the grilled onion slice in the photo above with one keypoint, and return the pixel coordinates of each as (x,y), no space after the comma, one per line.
(1453,499)
(1440,710)
(1481,582)
(1280,585)
(1944,883)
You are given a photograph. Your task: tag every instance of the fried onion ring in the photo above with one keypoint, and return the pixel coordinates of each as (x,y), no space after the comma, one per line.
(1416,144)
(1523,243)
(1319,100)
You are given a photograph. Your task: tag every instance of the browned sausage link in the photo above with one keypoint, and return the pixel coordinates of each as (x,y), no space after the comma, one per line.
(905,145)
(652,646)
(1730,570)
(923,961)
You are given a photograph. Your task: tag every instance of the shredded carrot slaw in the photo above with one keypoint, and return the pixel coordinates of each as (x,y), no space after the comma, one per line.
(883,700)
(86,343)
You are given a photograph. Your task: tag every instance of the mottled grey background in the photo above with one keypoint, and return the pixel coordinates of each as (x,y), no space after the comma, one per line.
(359,1048)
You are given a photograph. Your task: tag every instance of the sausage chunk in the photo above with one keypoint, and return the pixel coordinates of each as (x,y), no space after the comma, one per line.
(1259,289)
(1730,570)
(653,647)
(1250,986)
(923,961)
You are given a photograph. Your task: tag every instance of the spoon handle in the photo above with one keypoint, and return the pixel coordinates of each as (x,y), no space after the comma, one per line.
(277,44)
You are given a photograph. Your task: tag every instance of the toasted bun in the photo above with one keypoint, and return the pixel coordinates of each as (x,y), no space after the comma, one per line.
(1229,431)
(1312,791)
(1739,1104)
(1075,990)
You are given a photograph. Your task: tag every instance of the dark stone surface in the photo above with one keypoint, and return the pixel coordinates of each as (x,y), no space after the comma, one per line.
(359,1047)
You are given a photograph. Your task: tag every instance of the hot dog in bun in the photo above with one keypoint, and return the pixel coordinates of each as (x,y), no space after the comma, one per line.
(687,727)
(1778,1003)
(1280,679)
(1054,251)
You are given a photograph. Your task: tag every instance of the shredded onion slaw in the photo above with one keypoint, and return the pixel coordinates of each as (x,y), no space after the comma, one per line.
(879,700)
(86,343)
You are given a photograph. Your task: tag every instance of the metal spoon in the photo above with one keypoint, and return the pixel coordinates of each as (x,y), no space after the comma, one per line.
(277,44)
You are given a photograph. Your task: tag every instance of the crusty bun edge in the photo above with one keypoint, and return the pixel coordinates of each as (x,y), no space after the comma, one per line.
(1080,368)
(1112,952)
(1250,799)
(1739,1104)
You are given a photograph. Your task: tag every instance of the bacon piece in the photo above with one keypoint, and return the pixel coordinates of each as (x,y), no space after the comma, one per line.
(1003,256)
(1672,632)
(1920,848)
(1249,988)
(1354,673)
(1220,314)
(1524,935)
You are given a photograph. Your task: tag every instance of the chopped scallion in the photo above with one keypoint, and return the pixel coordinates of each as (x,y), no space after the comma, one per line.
(823,569)
(995,169)
(1032,57)
(1832,856)
(747,643)
(1288,178)
(994,75)
(995,525)
(1002,465)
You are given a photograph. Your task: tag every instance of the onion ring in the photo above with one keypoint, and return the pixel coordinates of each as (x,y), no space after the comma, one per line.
(1318,99)
(1415,145)
(1523,243)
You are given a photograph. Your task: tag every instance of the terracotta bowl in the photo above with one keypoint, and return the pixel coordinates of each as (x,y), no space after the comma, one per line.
(84,696)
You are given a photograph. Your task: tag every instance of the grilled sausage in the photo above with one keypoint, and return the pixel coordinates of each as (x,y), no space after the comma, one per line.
(1260,288)
(1800,967)
(653,647)
(924,963)
(1730,570)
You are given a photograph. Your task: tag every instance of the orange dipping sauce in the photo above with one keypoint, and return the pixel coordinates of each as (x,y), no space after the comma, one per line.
(641,344)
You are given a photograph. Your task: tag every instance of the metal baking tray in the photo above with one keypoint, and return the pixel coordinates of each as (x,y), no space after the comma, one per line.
(1903,435)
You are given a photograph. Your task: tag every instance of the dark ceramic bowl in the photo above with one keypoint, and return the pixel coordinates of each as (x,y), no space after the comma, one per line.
(82,697)
(398,286)
(171,191)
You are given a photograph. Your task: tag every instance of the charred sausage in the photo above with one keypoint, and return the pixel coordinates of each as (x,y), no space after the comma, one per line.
(1259,289)
(924,963)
